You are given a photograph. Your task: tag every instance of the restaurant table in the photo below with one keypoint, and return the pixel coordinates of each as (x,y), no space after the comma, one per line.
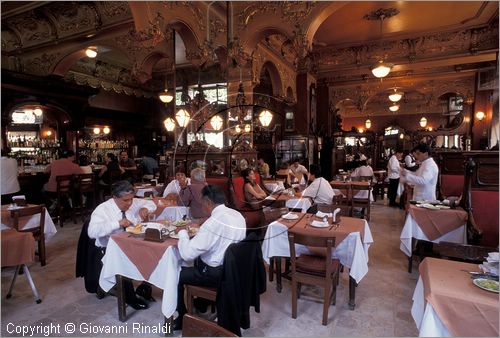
(274,185)
(447,303)
(353,239)
(157,263)
(359,194)
(448,225)
(27,222)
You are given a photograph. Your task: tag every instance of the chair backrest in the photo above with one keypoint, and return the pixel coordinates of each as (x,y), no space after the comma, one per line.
(451,185)
(345,188)
(29,211)
(310,240)
(463,252)
(238,196)
(64,183)
(485,215)
(193,326)
(86,183)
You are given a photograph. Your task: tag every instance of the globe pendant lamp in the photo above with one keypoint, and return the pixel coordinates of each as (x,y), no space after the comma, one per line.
(395,96)
(182,118)
(381,69)
(394,107)
(165,96)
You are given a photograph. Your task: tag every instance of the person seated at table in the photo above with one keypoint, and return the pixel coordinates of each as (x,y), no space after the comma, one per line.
(426,176)
(175,186)
(319,189)
(298,170)
(223,227)
(190,195)
(128,165)
(263,168)
(113,216)
(251,190)
(110,165)
(149,166)
(363,170)
(284,170)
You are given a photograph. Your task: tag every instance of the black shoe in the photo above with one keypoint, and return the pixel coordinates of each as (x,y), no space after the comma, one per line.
(144,290)
(177,325)
(138,304)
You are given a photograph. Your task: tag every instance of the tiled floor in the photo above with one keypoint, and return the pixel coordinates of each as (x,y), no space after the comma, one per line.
(383,298)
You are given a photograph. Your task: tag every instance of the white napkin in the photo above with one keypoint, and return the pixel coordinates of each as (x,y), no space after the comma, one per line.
(492,257)
(270,198)
(19,197)
(319,224)
(335,212)
(324,214)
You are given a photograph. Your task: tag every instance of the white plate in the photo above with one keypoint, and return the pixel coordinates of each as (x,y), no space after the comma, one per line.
(479,282)
(319,224)
(290,216)
(429,206)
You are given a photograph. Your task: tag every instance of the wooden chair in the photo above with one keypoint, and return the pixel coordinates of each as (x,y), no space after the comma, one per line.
(38,232)
(345,189)
(314,270)
(65,194)
(380,186)
(361,199)
(199,291)
(193,326)
(463,252)
(86,194)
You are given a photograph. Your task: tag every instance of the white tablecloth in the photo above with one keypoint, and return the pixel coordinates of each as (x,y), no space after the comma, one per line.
(351,252)
(140,191)
(412,229)
(34,221)
(165,276)
(173,213)
(299,203)
(274,186)
(428,322)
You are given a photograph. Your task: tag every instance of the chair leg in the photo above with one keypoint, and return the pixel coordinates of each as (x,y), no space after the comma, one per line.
(189,300)
(32,284)
(41,251)
(326,302)
(278,274)
(299,289)
(271,268)
(9,293)
(294,298)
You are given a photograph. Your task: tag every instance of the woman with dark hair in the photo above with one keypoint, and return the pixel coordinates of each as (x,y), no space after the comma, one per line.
(252,191)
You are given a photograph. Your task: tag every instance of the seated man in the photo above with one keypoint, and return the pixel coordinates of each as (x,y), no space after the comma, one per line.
(224,227)
(319,190)
(190,195)
(180,182)
(298,171)
(113,216)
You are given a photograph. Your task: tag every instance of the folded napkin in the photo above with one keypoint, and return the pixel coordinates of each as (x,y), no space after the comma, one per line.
(324,214)
(319,224)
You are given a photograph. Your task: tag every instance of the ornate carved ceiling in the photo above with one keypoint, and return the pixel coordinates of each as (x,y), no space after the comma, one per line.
(446,42)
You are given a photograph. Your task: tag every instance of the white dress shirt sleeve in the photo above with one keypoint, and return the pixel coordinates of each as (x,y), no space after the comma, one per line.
(172,187)
(409,161)
(424,177)
(102,223)
(393,168)
(199,244)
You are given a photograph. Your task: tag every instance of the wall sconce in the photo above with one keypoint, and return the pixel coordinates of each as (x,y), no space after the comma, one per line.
(429,129)
(423,122)
(265,118)
(216,122)
(169,124)
(38,111)
(97,130)
(182,118)
(237,129)
(91,52)
(368,124)
(480,115)
(106,130)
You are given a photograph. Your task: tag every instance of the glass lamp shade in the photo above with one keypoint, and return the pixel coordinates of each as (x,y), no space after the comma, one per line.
(182,118)
(106,130)
(480,115)
(394,107)
(423,122)
(216,122)
(169,124)
(38,111)
(91,52)
(237,129)
(381,69)
(248,128)
(97,130)
(396,96)
(401,136)
(165,96)
(265,118)
(368,124)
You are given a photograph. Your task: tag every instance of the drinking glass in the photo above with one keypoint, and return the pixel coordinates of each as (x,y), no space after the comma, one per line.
(151,217)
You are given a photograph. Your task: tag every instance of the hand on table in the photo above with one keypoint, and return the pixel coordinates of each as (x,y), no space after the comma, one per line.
(143,213)
(125,223)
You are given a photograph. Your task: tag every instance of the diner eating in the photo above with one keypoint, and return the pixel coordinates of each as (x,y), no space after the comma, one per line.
(238,168)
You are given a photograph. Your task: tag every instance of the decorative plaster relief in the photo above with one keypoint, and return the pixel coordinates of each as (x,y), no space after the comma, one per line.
(70,18)
(41,65)
(113,10)
(32,28)
(10,41)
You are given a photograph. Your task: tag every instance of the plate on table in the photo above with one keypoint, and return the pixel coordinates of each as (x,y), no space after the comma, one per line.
(486,284)
(429,206)
(290,216)
(174,235)
(319,224)
(136,230)
(439,206)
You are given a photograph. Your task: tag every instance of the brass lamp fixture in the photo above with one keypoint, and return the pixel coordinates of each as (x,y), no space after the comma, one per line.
(265,118)
(182,118)
(423,122)
(382,68)
(169,124)
(38,112)
(396,95)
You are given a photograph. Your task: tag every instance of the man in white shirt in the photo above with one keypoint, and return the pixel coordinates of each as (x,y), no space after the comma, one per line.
(177,184)
(320,190)
(224,227)
(298,170)
(9,184)
(410,162)
(393,168)
(113,216)
(426,176)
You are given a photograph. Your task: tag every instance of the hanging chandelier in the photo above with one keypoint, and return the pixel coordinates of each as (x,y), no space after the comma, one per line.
(396,95)
(182,117)
(169,124)
(381,69)
(165,96)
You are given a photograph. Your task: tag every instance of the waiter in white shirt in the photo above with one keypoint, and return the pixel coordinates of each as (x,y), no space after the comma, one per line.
(298,170)
(113,216)
(177,184)
(426,176)
(393,168)
(319,190)
(224,227)
(410,162)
